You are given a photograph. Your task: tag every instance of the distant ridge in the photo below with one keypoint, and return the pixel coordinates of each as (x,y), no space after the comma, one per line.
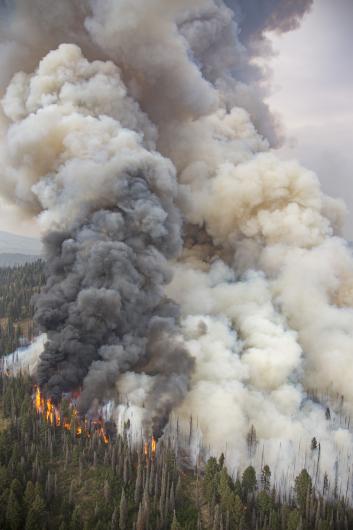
(12,260)
(18,250)
(15,244)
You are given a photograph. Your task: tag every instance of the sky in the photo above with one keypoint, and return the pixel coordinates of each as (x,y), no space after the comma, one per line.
(312,93)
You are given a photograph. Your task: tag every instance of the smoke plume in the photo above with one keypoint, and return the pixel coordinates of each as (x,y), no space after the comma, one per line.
(190,271)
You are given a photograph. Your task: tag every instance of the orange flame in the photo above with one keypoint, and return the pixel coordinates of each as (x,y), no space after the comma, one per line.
(51,413)
(150,445)
(105,437)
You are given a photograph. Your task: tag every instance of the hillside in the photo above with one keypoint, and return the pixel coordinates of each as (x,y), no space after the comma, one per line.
(55,475)
(17,287)
(13,260)
(15,244)
(62,471)
(17,250)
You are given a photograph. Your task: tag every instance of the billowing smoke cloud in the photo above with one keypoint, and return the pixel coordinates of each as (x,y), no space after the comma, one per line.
(108,207)
(258,16)
(190,271)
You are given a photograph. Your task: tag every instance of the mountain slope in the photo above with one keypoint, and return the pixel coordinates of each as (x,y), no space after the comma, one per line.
(15,244)
(13,260)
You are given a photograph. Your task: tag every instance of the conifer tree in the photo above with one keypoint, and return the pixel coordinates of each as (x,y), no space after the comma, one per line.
(138,484)
(13,512)
(123,512)
(175,525)
(266,478)
(249,482)
(303,485)
(76,521)
(29,494)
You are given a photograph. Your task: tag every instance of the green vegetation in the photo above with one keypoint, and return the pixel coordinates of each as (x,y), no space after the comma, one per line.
(52,479)
(17,287)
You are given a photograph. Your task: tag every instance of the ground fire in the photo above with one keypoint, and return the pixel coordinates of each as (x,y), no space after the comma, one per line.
(69,418)
(150,448)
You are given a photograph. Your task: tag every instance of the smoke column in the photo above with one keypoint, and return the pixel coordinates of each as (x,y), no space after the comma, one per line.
(190,271)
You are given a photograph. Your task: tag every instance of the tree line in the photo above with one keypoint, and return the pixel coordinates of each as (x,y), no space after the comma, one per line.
(50,478)
(18,286)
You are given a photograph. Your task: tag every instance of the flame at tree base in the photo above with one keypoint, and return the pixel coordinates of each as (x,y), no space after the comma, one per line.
(150,448)
(71,420)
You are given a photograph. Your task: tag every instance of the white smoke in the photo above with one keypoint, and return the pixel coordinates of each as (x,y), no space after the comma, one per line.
(265,283)
(24,359)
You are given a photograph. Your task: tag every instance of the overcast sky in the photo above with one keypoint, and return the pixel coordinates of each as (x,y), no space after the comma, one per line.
(313,93)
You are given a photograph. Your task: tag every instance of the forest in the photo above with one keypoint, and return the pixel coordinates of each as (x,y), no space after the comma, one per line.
(58,473)
(53,477)
(18,285)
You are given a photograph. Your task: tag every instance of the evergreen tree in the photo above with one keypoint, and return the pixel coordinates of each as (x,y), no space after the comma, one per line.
(266,478)
(249,482)
(13,512)
(237,510)
(313,444)
(76,520)
(251,439)
(264,502)
(123,512)
(303,485)
(225,490)
(210,480)
(36,514)
(293,520)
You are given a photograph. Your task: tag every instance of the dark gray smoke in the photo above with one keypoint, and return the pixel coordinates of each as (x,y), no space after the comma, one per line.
(103,308)
(84,157)
(257,16)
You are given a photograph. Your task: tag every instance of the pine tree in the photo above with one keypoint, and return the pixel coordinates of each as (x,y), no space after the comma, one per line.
(249,482)
(16,488)
(35,515)
(210,480)
(293,520)
(140,525)
(175,525)
(138,484)
(76,521)
(123,512)
(251,439)
(33,521)
(264,502)
(106,491)
(114,521)
(237,510)
(303,485)
(266,478)
(216,518)
(13,512)
(225,490)
(313,444)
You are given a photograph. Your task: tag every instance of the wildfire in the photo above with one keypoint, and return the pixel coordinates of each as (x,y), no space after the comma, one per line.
(153,445)
(38,400)
(52,415)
